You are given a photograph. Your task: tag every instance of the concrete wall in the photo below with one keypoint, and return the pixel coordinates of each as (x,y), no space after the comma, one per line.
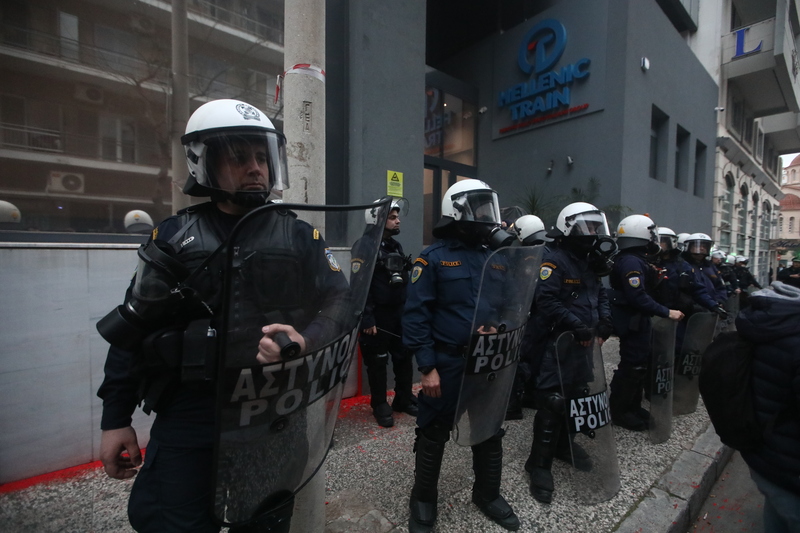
(51,356)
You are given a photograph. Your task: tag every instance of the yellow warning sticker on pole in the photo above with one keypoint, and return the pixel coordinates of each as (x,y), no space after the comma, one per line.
(394,183)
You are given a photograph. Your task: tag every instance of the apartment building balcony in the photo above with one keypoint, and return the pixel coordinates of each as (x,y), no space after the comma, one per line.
(52,56)
(761,60)
(784,130)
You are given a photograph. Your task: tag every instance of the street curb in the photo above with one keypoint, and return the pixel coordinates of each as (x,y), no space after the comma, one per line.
(675,500)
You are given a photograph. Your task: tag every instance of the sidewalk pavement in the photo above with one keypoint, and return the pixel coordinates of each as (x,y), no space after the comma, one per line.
(369,473)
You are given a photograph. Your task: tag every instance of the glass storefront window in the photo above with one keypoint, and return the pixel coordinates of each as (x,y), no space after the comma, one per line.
(450,124)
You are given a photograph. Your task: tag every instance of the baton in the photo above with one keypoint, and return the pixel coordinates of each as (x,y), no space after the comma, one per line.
(390,333)
(289,348)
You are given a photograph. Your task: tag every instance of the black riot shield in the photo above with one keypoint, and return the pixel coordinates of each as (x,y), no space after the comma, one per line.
(275,421)
(661,378)
(732,308)
(501,312)
(699,334)
(588,417)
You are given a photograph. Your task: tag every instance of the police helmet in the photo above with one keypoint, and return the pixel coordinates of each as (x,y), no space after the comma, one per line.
(682,240)
(637,231)
(698,243)
(530,230)
(138,221)
(232,130)
(398,204)
(667,239)
(719,254)
(9,213)
(581,219)
(471,200)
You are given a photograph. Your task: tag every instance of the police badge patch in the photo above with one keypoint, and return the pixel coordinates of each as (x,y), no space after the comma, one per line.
(355,265)
(545,272)
(635,282)
(332,261)
(416,273)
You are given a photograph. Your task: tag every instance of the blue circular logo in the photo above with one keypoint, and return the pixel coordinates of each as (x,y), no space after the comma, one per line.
(546,40)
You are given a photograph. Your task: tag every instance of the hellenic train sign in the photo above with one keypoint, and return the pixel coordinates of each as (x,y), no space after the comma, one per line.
(548,84)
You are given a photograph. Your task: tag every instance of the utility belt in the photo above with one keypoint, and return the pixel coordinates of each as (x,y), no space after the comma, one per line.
(185,354)
(450,349)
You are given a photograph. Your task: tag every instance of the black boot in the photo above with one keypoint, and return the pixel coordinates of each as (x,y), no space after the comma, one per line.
(546,430)
(376,376)
(425,493)
(623,389)
(487,463)
(514,409)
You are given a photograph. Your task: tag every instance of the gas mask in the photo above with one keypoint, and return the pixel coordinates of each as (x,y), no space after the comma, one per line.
(157,295)
(601,255)
(395,264)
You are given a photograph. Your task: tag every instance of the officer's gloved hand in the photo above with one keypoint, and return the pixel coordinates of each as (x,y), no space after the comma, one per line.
(582,334)
(723,314)
(605,328)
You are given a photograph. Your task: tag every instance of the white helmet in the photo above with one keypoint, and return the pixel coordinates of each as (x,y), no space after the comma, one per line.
(398,204)
(471,200)
(138,221)
(667,239)
(582,219)
(741,259)
(718,254)
(227,124)
(682,240)
(530,230)
(9,213)
(698,243)
(637,231)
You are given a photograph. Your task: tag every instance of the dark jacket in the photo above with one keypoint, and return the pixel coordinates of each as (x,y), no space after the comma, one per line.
(771,322)
(786,274)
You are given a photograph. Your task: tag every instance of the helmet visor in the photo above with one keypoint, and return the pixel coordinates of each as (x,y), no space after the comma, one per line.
(588,223)
(668,242)
(698,247)
(478,206)
(246,160)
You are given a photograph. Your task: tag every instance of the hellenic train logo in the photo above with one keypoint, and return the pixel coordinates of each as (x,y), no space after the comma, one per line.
(546,41)
(547,93)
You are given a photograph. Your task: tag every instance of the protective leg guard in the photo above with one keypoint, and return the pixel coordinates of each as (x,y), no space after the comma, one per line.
(429,448)
(572,453)
(487,463)
(546,430)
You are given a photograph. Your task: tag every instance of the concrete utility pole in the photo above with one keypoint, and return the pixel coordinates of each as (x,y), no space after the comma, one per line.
(304,101)
(180,101)
(304,127)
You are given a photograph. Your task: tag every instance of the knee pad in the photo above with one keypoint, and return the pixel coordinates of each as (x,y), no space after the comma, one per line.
(437,431)
(552,401)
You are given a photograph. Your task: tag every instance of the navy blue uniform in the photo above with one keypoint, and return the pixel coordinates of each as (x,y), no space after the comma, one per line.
(437,322)
(569,296)
(716,287)
(632,306)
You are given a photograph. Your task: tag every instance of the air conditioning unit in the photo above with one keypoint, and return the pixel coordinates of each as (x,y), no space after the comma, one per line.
(142,24)
(70,182)
(87,93)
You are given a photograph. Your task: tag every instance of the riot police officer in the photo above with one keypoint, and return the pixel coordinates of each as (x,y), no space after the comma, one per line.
(236,157)
(725,269)
(381,332)
(791,275)
(633,280)
(569,297)
(437,325)
(530,231)
(696,252)
(744,278)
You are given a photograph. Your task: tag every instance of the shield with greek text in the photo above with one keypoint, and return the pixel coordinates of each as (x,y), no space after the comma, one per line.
(501,312)
(285,265)
(699,334)
(662,372)
(588,419)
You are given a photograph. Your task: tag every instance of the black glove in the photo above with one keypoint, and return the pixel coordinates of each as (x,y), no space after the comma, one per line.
(582,334)
(605,328)
(723,314)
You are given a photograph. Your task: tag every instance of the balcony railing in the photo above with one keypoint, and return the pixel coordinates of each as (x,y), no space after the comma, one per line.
(33,139)
(134,70)
(212,9)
